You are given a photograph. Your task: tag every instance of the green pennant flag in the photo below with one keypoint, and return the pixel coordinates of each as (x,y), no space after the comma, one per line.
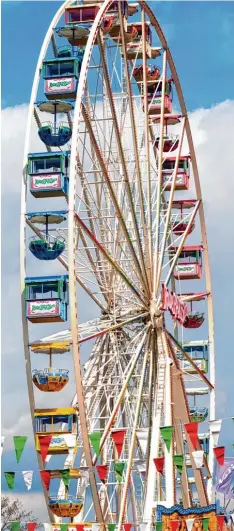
(65,477)
(179,462)
(111,527)
(63,527)
(19,443)
(119,468)
(95,439)
(167,432)
(15,526)
(159,526)
(205,523)
(10,479)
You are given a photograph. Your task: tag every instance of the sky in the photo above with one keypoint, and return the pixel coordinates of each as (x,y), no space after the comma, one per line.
(201,38)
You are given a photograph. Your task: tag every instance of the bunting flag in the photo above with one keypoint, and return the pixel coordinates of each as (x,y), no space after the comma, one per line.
(179,462)
(45,478)
(118,438)
(65,474)
(111,527)
(141,466)
(192,431)
(19,444)
(84,472)
(70,440)
(47,527)
(159,463)
(31,526)
(174,524)
(198,456)
(95,527)
(127,527)
(10,479)
(205,523)
(95,439)
(27,477)
(220,520)
(79,527)
(2,443)
(215,427)
(44,442)
(15,526)
(143,527)
(119,468)
(142,436)
(102,471)
(63,527)
(167,432)
(189,523)
(158,526)
(219,453)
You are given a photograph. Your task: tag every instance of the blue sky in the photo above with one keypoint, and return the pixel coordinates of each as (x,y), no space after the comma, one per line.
(201,38)
(201,35)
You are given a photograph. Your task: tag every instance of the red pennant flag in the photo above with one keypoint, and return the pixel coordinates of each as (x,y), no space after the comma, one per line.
(192,429)
(102,471)
(31,526)
(174,525)
(44,442)
(127,527)
(45,477)
(159,463)
(118,438)
(219,452)
(220,520)
(79,527)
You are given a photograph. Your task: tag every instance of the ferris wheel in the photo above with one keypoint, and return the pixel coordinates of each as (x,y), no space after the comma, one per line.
(113,230)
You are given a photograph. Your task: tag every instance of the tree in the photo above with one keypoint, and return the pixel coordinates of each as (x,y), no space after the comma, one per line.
(14,510)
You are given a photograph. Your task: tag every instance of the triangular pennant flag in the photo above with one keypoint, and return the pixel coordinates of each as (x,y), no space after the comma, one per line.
(159,526)
(111,527)
(95,527)
(70,439)
(102,471)
(118,438)
(142,436)
(127,527)
(159,463)
(31,526)
(215,427)
(44,442)
(198,458)
(189,523)
(179,462)
(10,479)
(84,472)
(141,466)
(28,477)
(95,439)
(220,520)
(192,431)
(174,524)
(65,473)
(167,432)
(19,443)
(119,468)
(15,526)
(79,527)
(45,478)
(47,527)
(219,453)
(2,443)
(205,523)
(63,527)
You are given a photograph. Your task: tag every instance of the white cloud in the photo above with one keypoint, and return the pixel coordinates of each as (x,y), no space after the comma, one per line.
(213,132)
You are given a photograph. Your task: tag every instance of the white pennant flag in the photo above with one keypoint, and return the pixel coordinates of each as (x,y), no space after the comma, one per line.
(47,527)
(84,472)
(70,439)
(189,523)
(198,458)
(215,427)
(143,527)
(141,466)
(95,527)
(2,443)
(142,436)
(28,477)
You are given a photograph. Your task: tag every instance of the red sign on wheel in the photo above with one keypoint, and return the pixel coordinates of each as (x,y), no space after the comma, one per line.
(171,302)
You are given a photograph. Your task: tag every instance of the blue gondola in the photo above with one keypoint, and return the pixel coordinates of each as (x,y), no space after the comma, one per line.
(61,74)
(198,414)
(46,299)
(50,380)
(55,135)
(46,247)
(49,173)
(66,507)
